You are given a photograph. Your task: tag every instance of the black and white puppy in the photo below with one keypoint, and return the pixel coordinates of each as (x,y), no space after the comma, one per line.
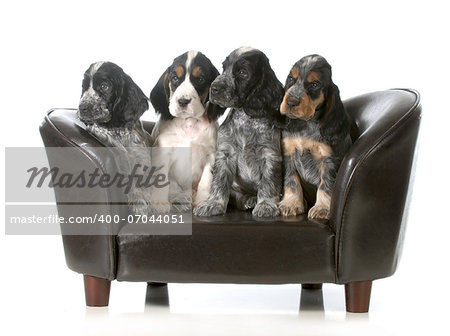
(111,105)
(248,159)
(187,119)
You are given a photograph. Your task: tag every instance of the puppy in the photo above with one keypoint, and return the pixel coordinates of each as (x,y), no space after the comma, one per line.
(248,159)
(187,119)
(316,137)
(111,105)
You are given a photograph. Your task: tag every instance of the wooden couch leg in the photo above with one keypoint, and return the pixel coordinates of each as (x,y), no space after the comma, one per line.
(96,291)
(357,296)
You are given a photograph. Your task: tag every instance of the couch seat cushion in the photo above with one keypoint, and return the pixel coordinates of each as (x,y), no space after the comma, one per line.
(234,248)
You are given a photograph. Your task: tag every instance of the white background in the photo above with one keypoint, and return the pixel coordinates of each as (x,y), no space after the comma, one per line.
(47,45)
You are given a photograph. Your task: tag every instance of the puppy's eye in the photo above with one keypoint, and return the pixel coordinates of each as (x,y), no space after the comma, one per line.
(104,87)
(314,85)
(175,79)
(242,73)
(290,79)
(200,80)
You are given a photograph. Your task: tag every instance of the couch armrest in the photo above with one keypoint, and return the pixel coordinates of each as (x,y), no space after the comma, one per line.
(93,255)
(370,199)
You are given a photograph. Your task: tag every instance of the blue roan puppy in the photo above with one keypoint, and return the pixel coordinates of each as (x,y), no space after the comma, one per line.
(248,160)
(110,105)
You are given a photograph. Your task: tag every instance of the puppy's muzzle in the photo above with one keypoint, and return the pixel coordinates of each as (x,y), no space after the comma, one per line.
(221,91)
(183,102)
(83,109)
(215,89)
(218,88)
(90,112)
(292,101)
(85,112)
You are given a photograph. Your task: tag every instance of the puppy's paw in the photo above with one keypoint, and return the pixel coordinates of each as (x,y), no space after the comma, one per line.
(197,201)
(182,200)
(210,208)
(246,202)
(319,212)
(266,209)
(181,207)
(158,208)
(199,196)
(138,207)
(291,208)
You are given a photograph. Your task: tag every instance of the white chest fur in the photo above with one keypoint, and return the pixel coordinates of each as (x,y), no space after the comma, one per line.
(198,134)
(184,132)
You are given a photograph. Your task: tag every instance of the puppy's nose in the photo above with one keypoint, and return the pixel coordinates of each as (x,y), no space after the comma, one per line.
(183,102)
(292,102)
(83,108)
(215,89)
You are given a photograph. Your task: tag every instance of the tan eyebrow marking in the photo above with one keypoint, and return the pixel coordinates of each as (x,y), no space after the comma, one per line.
(197,71)
(179,71)
(313,76)
(295,72)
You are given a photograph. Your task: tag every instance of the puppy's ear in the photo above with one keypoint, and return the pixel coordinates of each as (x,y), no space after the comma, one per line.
(136,103)
(335,120)
(266,97)
(333,99)
(159,96)
(281,121)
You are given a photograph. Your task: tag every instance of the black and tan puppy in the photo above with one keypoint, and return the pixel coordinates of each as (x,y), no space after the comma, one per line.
(315,138)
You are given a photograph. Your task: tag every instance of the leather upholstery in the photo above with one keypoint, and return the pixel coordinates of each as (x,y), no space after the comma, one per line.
(234,248)
(362,240)
(373,184)
(91,255)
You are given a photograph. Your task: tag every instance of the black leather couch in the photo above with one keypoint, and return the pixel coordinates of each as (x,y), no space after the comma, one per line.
(360,243)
